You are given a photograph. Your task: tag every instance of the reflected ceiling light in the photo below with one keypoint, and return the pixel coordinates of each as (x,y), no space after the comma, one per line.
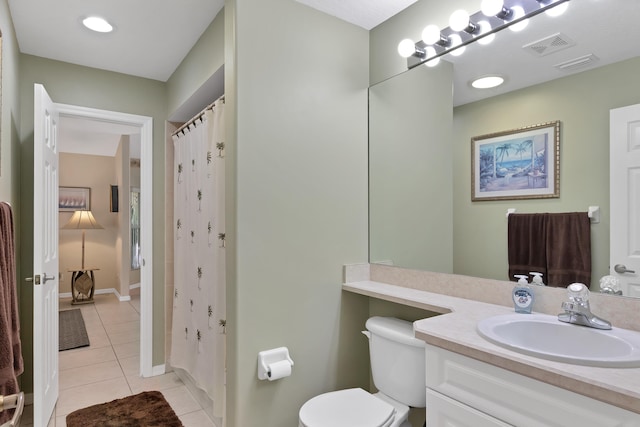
(431,52)
(456,40)
(518,12)
(482,26)
(487,82)
(97,24)
(485,27)
(558,10)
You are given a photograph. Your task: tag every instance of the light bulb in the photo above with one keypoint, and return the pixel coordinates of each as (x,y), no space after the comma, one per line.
(459,20)
(431,34)
(491,7)
(456,40)
(431,52)
(406,48)
(485,27)
(518,12)
(558,10)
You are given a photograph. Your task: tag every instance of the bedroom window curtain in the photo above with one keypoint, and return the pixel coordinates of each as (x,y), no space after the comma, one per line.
(199,313)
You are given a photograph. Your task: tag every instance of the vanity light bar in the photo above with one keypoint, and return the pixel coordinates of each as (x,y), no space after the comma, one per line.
(531,8)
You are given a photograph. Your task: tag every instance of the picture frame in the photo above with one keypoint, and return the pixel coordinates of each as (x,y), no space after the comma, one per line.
(72,199)
(521,163)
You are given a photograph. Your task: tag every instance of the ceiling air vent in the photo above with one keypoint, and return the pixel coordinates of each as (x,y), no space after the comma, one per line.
(549,45)
(575,63)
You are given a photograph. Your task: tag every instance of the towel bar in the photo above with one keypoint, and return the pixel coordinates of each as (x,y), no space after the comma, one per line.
(10,402)
(593,212)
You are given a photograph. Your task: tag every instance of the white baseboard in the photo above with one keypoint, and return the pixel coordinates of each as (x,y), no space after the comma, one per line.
(97,292)
(121,298)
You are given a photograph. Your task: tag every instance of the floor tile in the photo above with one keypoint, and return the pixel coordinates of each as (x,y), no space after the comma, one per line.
(196,419)
(109,368)
(90,374)
(181,400)
(85,356)
(130,365)
(159,382)
(91,394)
(125,350)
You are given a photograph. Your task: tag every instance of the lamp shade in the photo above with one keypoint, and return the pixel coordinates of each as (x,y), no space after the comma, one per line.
(82,220)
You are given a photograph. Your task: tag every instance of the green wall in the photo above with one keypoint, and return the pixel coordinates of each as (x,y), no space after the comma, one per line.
(296,87)
(89,87)
(581,102)
(204,59)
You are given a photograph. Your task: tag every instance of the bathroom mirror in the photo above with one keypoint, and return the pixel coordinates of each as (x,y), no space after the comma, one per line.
(580,98)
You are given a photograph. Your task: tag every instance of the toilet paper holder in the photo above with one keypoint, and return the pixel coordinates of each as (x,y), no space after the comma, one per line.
(267,358)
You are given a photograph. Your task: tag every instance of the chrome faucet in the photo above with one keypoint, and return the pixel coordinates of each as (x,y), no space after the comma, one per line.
(577,310)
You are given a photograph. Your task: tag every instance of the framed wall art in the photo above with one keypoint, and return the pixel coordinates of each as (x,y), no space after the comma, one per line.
(521,163)
(74,199)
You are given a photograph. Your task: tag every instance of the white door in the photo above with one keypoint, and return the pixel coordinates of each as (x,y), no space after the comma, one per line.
(45,257)
(624,261)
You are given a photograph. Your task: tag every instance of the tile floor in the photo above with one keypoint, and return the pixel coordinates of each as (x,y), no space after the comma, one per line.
(108,368)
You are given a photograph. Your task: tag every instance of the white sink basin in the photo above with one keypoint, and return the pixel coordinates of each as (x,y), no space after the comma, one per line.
(545,336)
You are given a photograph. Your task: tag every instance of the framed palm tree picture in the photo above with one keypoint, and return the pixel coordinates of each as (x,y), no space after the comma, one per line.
(521,163)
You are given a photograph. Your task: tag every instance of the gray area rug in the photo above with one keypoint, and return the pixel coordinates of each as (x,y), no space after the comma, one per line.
(72,331)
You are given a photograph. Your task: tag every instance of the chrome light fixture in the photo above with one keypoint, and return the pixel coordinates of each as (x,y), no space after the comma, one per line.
(464,29)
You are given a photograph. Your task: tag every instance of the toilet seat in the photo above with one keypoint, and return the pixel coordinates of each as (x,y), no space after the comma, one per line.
(352,407)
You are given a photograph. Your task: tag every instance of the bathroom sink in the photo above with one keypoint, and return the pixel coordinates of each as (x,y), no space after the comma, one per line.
(546,337)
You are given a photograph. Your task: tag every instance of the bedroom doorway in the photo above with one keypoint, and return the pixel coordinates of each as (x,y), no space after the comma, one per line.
(145,125)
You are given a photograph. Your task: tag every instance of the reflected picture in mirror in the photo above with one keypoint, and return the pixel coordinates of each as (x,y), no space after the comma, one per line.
(472,237)
(516,164)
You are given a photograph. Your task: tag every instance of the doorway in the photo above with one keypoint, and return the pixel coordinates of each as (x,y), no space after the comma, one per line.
(145,124)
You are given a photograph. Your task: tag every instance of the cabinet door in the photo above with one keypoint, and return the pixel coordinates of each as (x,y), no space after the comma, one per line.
(516,399)
(445,412)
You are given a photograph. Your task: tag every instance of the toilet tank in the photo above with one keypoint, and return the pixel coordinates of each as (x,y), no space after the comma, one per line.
(397,360)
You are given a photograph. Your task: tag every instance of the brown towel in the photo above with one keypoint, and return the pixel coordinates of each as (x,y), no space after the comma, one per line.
(526,244)
(558,245)
(11,363)
(568,249)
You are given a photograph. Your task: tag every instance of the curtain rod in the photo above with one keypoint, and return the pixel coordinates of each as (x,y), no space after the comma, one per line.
(196,117)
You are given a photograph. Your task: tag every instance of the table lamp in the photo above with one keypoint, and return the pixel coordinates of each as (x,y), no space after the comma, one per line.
(82,220)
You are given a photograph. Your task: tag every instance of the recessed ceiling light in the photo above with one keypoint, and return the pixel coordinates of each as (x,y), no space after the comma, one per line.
(98,24)
(487,82)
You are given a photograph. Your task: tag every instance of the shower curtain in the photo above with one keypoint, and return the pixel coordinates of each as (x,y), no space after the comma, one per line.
(199,313)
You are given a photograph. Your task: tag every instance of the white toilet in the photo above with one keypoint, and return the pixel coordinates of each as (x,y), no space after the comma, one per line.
(398,370)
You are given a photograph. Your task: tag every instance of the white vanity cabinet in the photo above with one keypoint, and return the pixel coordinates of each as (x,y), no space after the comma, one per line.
(464,392)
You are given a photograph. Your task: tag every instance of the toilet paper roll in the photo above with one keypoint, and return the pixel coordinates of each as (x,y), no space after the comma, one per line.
(279,370)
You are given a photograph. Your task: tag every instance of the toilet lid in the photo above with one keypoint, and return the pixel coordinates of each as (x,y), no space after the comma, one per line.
(353,407)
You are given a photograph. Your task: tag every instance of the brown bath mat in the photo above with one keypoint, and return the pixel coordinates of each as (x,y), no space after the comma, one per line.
(147,409)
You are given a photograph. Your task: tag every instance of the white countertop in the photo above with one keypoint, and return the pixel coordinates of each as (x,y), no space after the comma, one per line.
(455,330)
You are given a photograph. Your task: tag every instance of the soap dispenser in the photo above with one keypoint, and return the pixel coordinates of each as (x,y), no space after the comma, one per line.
(537,278)
(522,295)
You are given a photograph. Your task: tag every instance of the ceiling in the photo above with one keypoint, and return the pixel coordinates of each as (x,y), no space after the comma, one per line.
(152,37)
(150,40)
